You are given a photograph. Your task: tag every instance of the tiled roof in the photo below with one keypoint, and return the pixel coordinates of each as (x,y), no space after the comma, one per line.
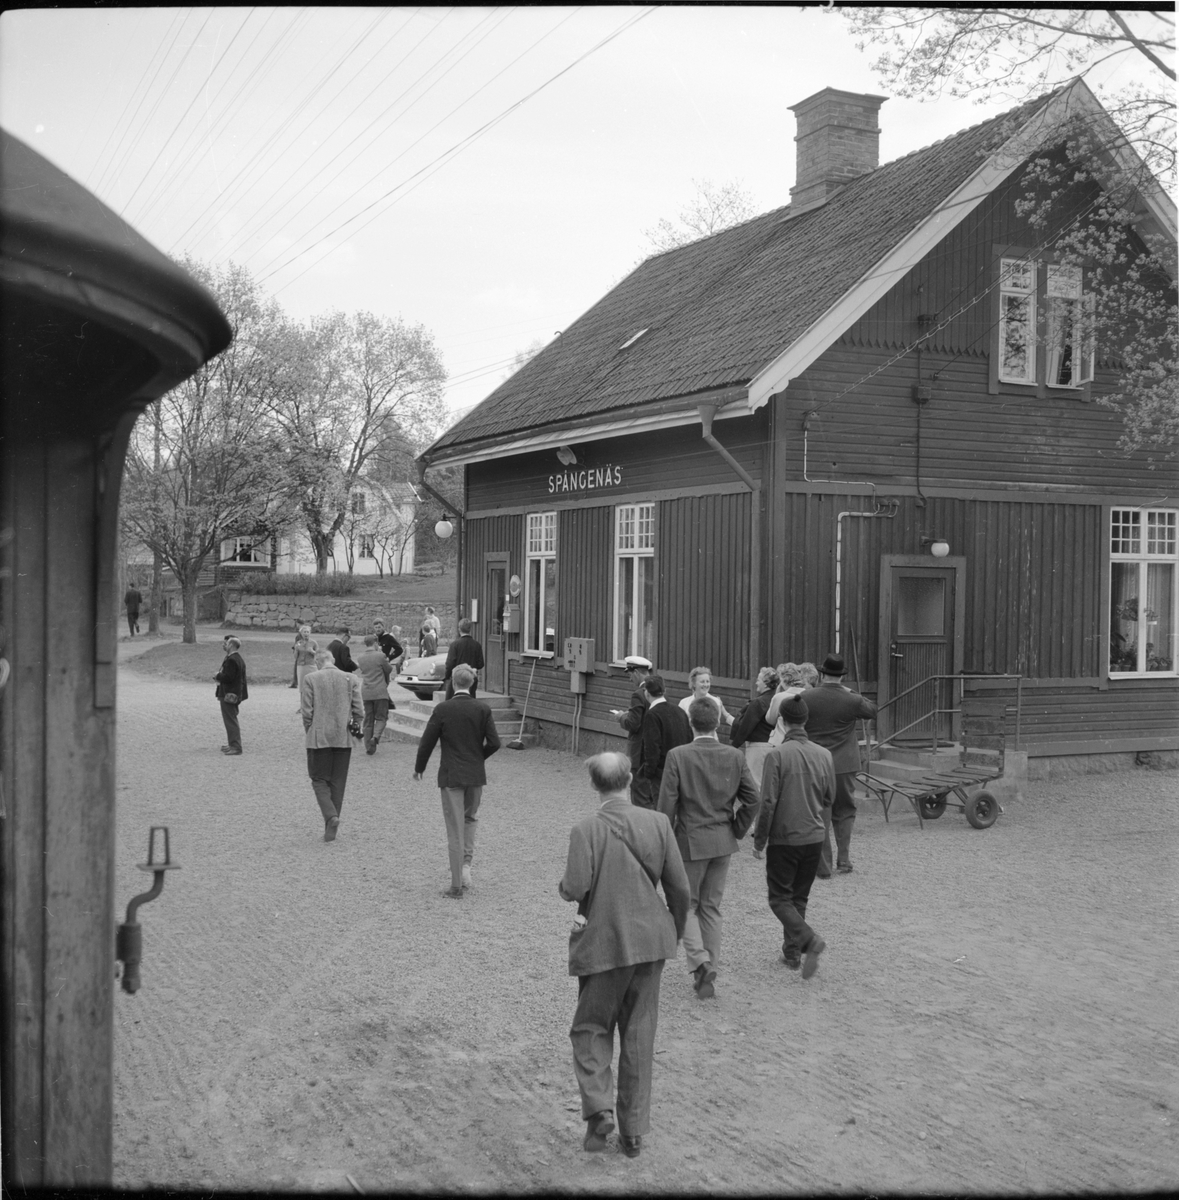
(717,310)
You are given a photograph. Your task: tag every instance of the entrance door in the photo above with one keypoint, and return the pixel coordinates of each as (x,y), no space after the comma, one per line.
(921,643)
(495,594)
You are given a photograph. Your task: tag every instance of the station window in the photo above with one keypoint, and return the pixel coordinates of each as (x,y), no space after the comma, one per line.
(1143,599)
(634,580)
(1044,304)
(246,551)
(540,585)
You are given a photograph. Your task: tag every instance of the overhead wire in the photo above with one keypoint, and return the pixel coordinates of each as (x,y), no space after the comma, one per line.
(244,236)
(449,154)
(171,177)
(258,162)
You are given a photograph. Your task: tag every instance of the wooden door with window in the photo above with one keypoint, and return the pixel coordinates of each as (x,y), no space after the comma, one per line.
(495,642)
(920,638)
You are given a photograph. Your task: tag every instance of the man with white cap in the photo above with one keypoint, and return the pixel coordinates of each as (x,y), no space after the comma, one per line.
(631,719)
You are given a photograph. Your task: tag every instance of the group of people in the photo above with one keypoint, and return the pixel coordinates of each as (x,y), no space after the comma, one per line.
(788,774)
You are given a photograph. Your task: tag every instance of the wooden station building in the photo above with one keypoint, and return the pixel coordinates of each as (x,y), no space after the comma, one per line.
(745,453)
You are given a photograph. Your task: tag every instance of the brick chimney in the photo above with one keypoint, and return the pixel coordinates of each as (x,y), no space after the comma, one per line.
(838,138)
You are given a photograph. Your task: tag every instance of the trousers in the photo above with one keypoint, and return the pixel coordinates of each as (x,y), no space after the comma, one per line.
(328,769)
(233,729)
(376,714)
(702,929)
(640,792)
(626,998)
(459,809)
(840,818)
(790,871)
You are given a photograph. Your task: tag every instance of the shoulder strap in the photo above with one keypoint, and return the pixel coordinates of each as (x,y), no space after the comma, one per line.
(626,842)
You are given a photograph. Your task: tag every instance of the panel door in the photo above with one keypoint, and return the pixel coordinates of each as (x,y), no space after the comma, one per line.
(921,644)
(495,593)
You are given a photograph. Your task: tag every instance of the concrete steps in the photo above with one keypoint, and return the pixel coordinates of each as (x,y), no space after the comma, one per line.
(409,718)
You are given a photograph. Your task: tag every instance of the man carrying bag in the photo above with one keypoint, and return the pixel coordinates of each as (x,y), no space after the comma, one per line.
(616,857)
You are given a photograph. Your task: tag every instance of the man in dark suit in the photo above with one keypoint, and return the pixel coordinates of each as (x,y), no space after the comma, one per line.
(631,719)
(339,648)
(133,600)
(464,649)
(665,726)
(231,691)
(391,648)
(711,800)
(467,731)
(833,712)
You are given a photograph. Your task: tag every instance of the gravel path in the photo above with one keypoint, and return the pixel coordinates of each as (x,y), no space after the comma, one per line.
(996,1011)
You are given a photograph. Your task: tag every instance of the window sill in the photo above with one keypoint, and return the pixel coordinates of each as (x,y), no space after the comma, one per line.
(537,653)
(1117,677)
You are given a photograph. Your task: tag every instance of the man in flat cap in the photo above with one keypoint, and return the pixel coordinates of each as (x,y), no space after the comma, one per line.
(833,712)
(631,719)
(797,791)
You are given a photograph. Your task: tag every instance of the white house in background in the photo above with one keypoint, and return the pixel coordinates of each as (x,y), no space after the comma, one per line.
(377,538)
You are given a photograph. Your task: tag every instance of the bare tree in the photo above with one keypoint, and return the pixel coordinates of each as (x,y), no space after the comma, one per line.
(713,208)
(355,387)
(202,463)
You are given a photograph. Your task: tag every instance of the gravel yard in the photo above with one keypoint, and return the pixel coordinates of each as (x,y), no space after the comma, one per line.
(996,1011)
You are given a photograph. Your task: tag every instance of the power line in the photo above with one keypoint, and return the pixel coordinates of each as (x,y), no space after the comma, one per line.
(452,152)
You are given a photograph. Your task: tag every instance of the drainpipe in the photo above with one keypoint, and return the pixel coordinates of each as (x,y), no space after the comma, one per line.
(707,413)
(458,543)
(888,510)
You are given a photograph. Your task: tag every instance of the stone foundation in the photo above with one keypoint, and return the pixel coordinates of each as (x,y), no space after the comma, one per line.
(325,614)
(1070,765)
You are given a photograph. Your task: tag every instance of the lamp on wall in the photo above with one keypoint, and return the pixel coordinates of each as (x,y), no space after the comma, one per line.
(566,455)
(938,546)
(443,529)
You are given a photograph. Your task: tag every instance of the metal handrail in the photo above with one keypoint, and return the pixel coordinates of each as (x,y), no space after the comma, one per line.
(938,711)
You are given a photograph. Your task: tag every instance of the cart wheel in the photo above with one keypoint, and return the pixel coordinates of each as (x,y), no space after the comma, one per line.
(982,810)
(932,807)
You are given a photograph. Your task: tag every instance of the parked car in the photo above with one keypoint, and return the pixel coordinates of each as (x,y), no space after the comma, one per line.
(423,676)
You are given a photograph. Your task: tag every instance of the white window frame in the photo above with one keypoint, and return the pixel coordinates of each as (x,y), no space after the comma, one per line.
(260,552)
(540,546)
(1145,537)
(1070,326)
(634,537)
(1017,282)
(368,546)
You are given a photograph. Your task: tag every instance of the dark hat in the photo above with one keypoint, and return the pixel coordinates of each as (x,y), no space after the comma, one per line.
(794,711)
(833,665)
(636,662)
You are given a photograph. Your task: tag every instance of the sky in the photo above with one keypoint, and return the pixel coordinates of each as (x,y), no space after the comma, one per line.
(487,173)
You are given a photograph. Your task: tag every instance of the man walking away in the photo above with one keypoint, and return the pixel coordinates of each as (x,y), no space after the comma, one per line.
(466,729)
(330,702)
(375,671)
(231,691)
(834,710)
(665,726)
(797,790)
(464,649)
(631,719)
(134,601)
(709,796)
(623,934)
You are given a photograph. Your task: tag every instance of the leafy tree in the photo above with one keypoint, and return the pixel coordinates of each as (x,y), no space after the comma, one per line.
(356,387)
(1083,192)
(712,208)
(202,463)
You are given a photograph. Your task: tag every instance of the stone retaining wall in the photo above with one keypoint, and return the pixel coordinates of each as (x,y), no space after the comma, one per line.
(325,614)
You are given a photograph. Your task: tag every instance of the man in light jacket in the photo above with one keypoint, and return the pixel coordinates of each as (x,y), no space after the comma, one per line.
(330,700)
(797,790)
(375,671)
(709,796)
(618,950)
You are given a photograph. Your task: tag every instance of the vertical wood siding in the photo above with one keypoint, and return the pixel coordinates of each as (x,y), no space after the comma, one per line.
(487,535)
(585,576)
(702,547)
(1032,582)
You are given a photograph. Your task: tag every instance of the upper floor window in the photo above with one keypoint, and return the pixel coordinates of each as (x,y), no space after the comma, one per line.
(540,584)
(1045,326)
(634,580)
(1143,611)
(358,502)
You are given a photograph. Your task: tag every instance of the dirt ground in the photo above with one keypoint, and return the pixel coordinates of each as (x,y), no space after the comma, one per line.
(996,1011)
